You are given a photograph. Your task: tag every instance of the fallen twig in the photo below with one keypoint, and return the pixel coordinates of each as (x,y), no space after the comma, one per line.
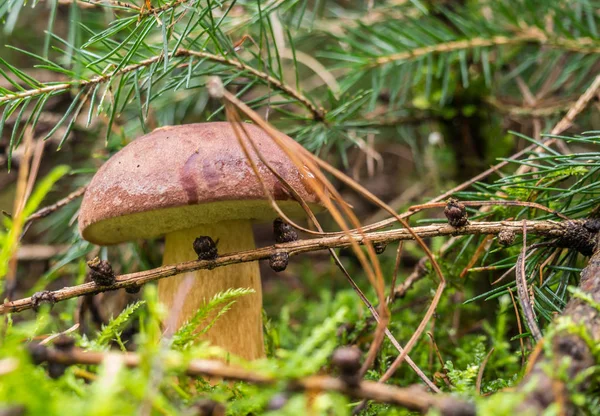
(545,228)
(413,398)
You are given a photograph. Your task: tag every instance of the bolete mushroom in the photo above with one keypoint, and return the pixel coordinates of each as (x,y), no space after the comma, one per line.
(189,181)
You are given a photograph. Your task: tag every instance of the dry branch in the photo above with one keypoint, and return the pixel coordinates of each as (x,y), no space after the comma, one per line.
(543,228)
(44,212)
(413,398)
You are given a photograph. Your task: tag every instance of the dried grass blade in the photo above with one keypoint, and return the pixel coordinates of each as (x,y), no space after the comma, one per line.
(522,291)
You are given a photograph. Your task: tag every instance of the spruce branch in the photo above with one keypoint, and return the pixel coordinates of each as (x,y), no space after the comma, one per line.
(542,228)
(101,3)
(452,46)
(164,7)
(318,113)
(583,45)
(88,4)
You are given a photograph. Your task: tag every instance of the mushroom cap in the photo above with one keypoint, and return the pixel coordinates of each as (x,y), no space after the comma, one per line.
(183,176)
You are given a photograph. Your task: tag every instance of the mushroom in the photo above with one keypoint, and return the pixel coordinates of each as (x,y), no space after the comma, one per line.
(189,181)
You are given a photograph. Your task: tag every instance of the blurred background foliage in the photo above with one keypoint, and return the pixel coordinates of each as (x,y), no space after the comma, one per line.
(409,98)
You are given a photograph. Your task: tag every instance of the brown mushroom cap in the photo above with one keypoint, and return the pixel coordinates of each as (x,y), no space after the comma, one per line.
(183,176)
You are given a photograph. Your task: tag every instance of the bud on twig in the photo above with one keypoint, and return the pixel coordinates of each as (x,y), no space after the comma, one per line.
(101,272)
(44,296)
(64,343)
(592,225)
(347,360)
(379,247)
(205,248)
(580,235)
(279,261)
(506,237)
(456,213)
(38,353)
(284,233)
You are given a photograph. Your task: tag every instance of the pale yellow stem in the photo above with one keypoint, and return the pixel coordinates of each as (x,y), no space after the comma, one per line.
(239,331)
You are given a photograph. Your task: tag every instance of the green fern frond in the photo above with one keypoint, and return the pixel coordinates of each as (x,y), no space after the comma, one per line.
(190,331)
(112,330)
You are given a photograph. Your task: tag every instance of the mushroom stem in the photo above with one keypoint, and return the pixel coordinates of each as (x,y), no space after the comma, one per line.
(239,330)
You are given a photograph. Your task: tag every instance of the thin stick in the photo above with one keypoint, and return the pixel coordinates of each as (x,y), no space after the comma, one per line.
(522,291)
(100,3)
(35,167)
(509,271)
(546,262)
(417,274)
(435,348)
(519,326)
(581,45)
(54,336)
(580,105)
(411,398)
(481,370)
(395,275)
(485,244)
(44,212)
(544,228)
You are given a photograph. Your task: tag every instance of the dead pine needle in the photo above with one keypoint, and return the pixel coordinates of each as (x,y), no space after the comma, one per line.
(523,292)
(519,326)
(481,370)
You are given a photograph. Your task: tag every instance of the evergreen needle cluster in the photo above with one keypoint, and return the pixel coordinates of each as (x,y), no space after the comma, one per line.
(424,94)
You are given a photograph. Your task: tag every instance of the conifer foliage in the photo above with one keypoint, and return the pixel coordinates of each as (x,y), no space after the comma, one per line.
(413,100)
